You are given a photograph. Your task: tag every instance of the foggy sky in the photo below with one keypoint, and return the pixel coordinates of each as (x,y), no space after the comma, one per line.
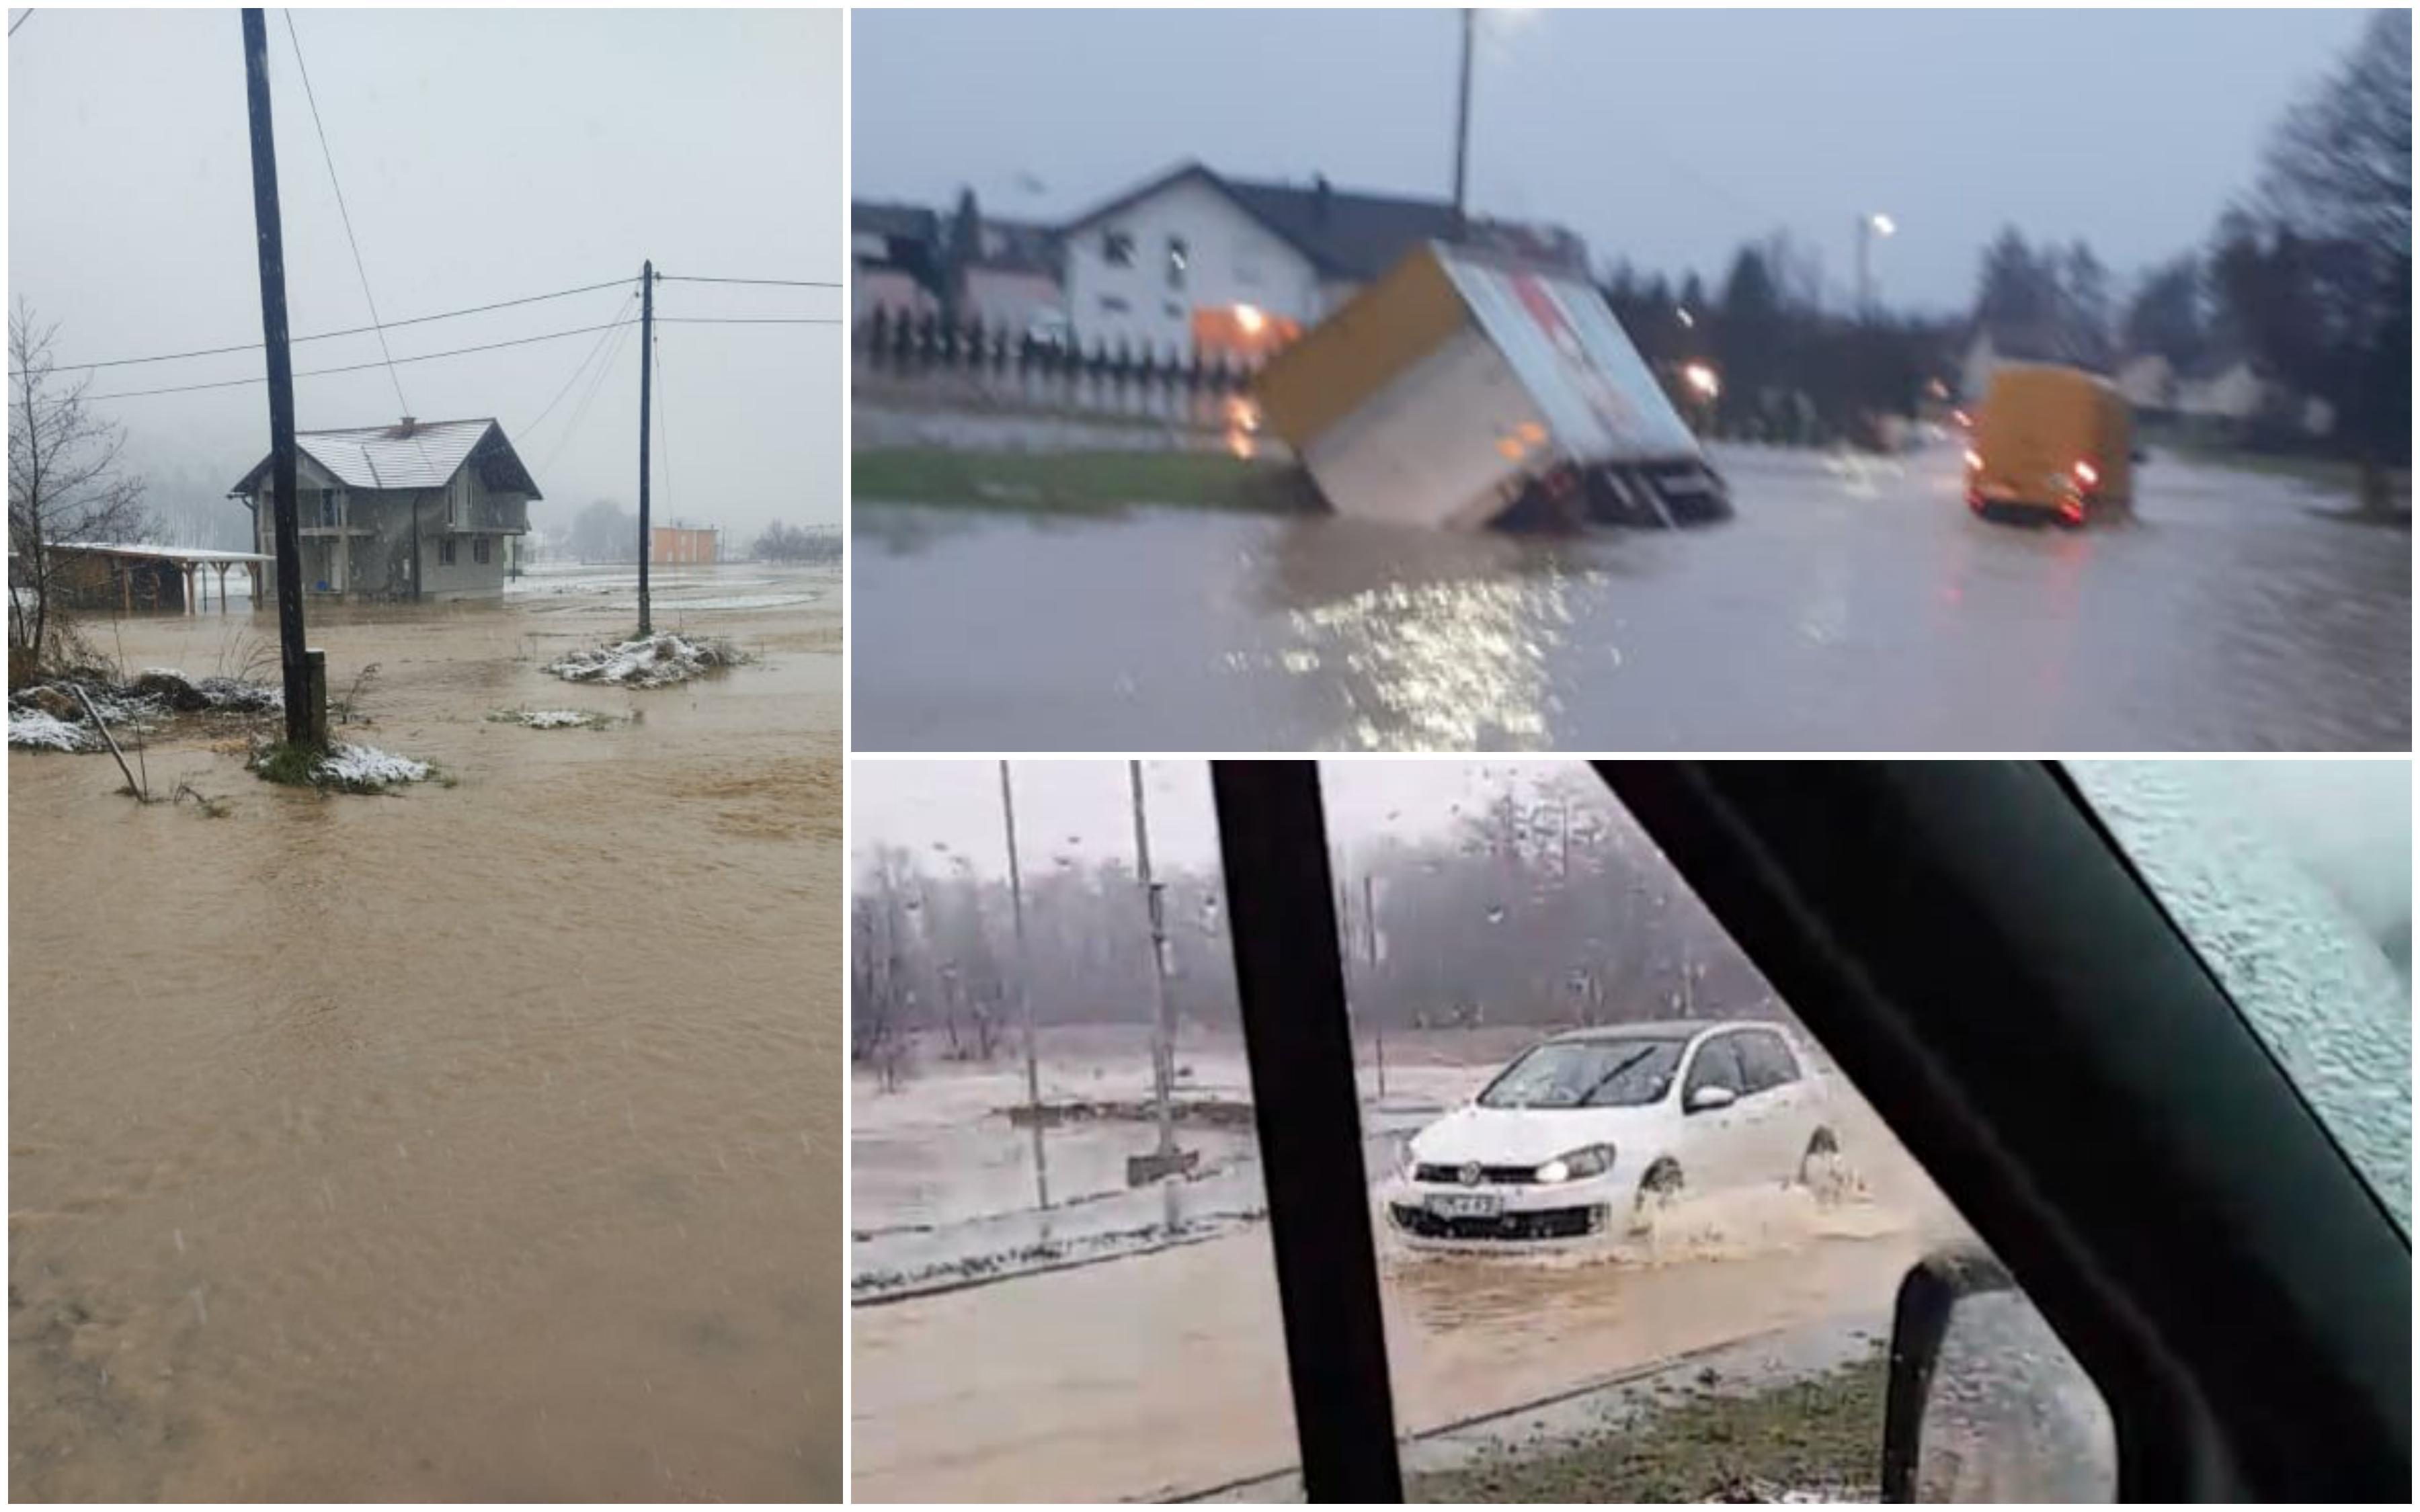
(484,156)
(2346,823)
(1082,809)
(1669,137)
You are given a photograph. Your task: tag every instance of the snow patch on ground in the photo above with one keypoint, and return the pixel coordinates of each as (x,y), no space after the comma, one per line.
(653,661)
(368,764)
(555,719)
(38,731)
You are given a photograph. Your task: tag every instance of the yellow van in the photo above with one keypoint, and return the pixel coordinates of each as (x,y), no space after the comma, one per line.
(2051,441)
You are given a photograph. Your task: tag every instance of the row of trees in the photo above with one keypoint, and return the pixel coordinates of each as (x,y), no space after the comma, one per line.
(1544,906)
(1788,369)
(2308,277)
(796,543)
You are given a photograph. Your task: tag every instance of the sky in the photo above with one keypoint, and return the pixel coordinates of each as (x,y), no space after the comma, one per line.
(484,156)
(1665,137)
(2348,824)
(1083,809)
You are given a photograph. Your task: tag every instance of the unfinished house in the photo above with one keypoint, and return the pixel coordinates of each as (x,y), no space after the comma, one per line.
(419,509)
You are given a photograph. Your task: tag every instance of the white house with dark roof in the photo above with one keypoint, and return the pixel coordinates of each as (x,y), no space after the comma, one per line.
(423,509)
(1196,262)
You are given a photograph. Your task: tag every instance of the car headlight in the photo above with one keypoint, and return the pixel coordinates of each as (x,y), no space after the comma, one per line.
(1593,1160)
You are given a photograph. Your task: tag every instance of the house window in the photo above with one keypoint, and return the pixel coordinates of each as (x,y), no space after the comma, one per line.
(1178,259)
(1118,248)
(1171,309)
(328,514)
(1111,304)
(479,549)
(445,552)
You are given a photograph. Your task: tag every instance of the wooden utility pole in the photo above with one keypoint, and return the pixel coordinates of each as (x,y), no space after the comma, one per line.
(1024,990)
(291,657)
(646,399)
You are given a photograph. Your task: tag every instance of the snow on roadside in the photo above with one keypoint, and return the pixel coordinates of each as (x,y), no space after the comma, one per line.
(653,662)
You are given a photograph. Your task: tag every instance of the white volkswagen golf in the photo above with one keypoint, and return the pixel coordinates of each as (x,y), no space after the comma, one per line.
(1585,1133)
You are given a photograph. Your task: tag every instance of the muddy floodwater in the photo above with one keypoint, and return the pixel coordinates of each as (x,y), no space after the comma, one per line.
(1160,1372)
(480,1142)
(1852,604)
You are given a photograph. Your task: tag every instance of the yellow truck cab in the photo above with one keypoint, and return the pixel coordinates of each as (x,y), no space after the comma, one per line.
(2051,441)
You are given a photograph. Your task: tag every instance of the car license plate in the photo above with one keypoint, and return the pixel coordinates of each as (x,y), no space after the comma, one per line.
(1466,1204)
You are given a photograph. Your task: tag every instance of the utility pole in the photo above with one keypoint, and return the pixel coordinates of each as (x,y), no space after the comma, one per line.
(1370,928)
(646,396)
(292,657)
(1023,992)
(1462,127)
(1167,1161)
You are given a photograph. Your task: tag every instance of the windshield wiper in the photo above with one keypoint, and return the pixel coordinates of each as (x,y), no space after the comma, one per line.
(1599,1084)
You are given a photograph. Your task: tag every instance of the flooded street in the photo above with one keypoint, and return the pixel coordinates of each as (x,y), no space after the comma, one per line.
(1852,604)
(480,1142)
(1160,1372)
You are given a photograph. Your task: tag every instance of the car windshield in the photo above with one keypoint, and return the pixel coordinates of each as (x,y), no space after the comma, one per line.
(1587,1074)
(2293,881)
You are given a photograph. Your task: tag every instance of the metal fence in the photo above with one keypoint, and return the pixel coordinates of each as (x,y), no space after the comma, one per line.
(918,355)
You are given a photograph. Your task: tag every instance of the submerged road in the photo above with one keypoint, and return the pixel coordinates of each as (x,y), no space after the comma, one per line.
(1853,605)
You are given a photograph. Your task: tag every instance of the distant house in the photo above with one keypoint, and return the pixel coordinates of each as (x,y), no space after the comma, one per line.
(2227,392)
(1196,263)
(1013,280)
(421,509)
(2149,382)
(682,545)
(896,251)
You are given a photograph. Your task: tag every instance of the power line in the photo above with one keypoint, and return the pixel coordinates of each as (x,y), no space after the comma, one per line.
(19,21)
(570,383)
(329,157)
(746,320)
(580,411)
(330,335)
(784,282)
(359,367)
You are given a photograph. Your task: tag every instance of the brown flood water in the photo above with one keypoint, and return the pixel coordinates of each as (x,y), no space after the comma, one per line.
(478,1143)
(1164,1375)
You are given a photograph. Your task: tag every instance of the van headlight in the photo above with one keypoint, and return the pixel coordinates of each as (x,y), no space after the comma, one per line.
(1591,1160)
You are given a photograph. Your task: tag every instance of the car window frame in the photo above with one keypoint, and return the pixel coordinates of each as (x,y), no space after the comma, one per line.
(1749,843)
(1698,1054)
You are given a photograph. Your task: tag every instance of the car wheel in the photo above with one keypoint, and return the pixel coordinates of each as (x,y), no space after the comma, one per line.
(1657,1189)
(1824,1170)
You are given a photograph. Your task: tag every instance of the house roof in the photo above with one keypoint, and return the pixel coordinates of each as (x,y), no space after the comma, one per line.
(907,223)
(390,457)
(1342,232)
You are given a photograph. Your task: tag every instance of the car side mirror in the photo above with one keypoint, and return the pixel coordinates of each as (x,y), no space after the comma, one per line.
(1983,1401)
(1707,1098)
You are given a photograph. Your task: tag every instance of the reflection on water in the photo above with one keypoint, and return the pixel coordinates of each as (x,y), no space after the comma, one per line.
(1857,608)
(481,1143)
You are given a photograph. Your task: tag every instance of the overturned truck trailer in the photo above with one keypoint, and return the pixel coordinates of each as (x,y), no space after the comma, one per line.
(1468,389)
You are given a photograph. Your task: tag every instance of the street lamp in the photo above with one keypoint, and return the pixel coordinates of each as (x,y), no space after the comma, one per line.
(1870,226)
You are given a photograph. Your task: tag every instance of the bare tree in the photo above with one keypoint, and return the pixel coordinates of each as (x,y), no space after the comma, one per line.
(66,487)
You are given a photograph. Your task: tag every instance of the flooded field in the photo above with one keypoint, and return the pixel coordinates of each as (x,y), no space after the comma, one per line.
(1160,1371)
(476,1143)
(1852,604)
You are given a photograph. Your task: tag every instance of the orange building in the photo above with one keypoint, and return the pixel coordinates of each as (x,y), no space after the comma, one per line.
(680,545)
